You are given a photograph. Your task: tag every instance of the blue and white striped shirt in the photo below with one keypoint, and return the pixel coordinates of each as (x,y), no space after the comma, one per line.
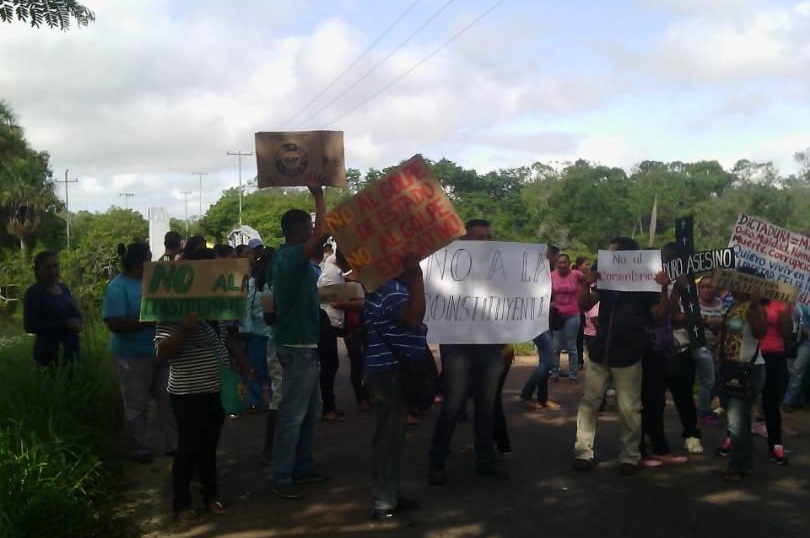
(382,311)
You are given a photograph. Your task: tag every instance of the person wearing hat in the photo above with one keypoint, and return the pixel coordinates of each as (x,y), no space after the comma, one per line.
(255,244)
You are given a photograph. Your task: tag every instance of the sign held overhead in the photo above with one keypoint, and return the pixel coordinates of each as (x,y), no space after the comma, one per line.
(286,159)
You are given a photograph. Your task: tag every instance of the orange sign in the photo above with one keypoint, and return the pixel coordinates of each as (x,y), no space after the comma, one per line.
(406,211)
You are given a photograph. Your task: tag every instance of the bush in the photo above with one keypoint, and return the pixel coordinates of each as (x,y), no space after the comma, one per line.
(59,441)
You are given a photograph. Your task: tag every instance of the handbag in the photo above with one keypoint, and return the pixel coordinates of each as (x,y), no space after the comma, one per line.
(418,377)
(233,393)
(735,380)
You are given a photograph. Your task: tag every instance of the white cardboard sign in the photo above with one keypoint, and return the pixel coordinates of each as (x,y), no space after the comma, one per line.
(629,270)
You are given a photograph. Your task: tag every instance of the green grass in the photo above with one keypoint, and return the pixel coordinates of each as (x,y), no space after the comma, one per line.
(60,432)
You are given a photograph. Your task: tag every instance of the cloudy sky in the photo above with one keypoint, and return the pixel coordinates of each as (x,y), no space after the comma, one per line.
(157,89)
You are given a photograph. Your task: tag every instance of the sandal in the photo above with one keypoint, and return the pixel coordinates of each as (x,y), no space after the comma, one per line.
(531,404)
(189,516)
(218,509)
(332,416)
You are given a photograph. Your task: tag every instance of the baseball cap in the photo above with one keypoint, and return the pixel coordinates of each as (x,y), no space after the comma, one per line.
(255,243)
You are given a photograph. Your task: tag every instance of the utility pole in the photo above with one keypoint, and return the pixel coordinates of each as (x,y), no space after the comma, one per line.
(240,155)
(201,174)
(127,196)
(67,182)
(185,195)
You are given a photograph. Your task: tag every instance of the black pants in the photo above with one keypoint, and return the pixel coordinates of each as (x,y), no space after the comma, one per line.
(659,373)
(772,393)
(581,340)
(328,350)
(199,422)
(500,431)
(356,344)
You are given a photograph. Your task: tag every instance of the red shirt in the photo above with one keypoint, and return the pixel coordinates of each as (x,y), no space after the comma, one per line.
(772,342)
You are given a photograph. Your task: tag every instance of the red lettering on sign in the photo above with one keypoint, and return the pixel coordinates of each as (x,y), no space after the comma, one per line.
(365,230)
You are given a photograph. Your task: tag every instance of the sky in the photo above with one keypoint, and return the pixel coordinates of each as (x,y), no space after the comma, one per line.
(155,90)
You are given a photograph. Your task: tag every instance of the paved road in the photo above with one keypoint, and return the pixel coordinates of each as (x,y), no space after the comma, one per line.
(544,497)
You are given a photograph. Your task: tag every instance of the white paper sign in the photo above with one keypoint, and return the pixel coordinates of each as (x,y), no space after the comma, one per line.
(629,270)
(486,292)
(159,226)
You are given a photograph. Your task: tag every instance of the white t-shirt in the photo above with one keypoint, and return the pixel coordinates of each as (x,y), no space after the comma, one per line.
(331,275)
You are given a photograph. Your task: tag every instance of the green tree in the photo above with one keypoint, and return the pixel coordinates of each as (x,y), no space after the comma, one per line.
(54,13)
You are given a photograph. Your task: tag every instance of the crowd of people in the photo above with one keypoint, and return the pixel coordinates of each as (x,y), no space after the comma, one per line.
(287,347)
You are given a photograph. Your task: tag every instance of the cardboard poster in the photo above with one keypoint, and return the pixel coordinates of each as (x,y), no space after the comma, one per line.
(736,281)
(779,254)
(286,159)
(340,292)
(214,289)
(406,211)
(628,270)
(486,292)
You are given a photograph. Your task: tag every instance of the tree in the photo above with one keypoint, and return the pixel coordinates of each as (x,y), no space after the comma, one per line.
(51,12)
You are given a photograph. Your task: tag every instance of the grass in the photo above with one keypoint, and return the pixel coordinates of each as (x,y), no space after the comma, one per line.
(60,432)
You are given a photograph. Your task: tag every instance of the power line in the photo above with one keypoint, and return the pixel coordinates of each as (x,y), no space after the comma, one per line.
(356,60)
(67,182)
(420,62)
(378,64)
(200,174)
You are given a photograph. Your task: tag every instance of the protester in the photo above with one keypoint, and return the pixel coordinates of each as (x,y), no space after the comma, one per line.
(565,283)
(622,337)
(257,335)
(779,327)
(500,430)
(743,324)
(50,313)
(356,343)
(194,243)
(712,310)
(334,316)
(797,366)
(583,265)
(224,251)
(141,375)
(173,247)
(394,314)
(194,349)
(297,333)
(475,368)
(545,358)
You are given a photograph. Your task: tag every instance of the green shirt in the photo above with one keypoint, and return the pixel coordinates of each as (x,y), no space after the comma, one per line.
(295,296)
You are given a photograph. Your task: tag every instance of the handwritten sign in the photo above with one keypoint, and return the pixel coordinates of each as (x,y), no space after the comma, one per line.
(214,289)
(486,292)
(701,262)
(406,211)
(286,159)
(628,270)
(340,292)
(693,316)
(779,254)
(736,281)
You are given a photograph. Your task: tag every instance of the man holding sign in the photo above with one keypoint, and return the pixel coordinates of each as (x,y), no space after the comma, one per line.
(622,337)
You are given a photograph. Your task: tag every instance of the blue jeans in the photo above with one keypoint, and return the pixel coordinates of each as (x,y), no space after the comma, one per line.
(390,412)
(298,414)
(797,368)
(479,368)
(539,378)
(739,424)
(704,366)
(257,356)
(566,338)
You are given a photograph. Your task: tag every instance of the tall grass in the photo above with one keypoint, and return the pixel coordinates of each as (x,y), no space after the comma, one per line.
(60,432)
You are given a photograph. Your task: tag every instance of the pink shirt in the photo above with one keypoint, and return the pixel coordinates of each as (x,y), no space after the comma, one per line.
(565,290)
(772,342)
(590,315)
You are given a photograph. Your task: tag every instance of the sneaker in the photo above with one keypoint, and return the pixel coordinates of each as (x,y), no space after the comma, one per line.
(670,459)
(288,491)
(531,404)
(234,417)
(390,517)
(551,405)
(582,464)
(759,428)
(693,445)
(490,470)
(650,462)
(310,478)
(628,469)
(437,475)
(710,420)
(725,448)
(778,455)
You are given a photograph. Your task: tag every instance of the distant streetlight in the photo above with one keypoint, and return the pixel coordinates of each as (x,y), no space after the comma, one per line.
(127,196)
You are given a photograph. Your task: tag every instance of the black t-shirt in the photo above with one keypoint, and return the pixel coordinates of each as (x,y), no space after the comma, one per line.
(625,327)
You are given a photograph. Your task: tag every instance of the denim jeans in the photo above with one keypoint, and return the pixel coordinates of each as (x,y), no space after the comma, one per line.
(566,338)
(275,373)
(739,424)
(390,412)
(257,356)
(704,366)
(298,414)
(628,398)
(797,368)
(539,378)
(474,367)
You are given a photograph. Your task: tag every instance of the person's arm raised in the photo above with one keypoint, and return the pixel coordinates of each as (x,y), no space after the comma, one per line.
(315,243)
